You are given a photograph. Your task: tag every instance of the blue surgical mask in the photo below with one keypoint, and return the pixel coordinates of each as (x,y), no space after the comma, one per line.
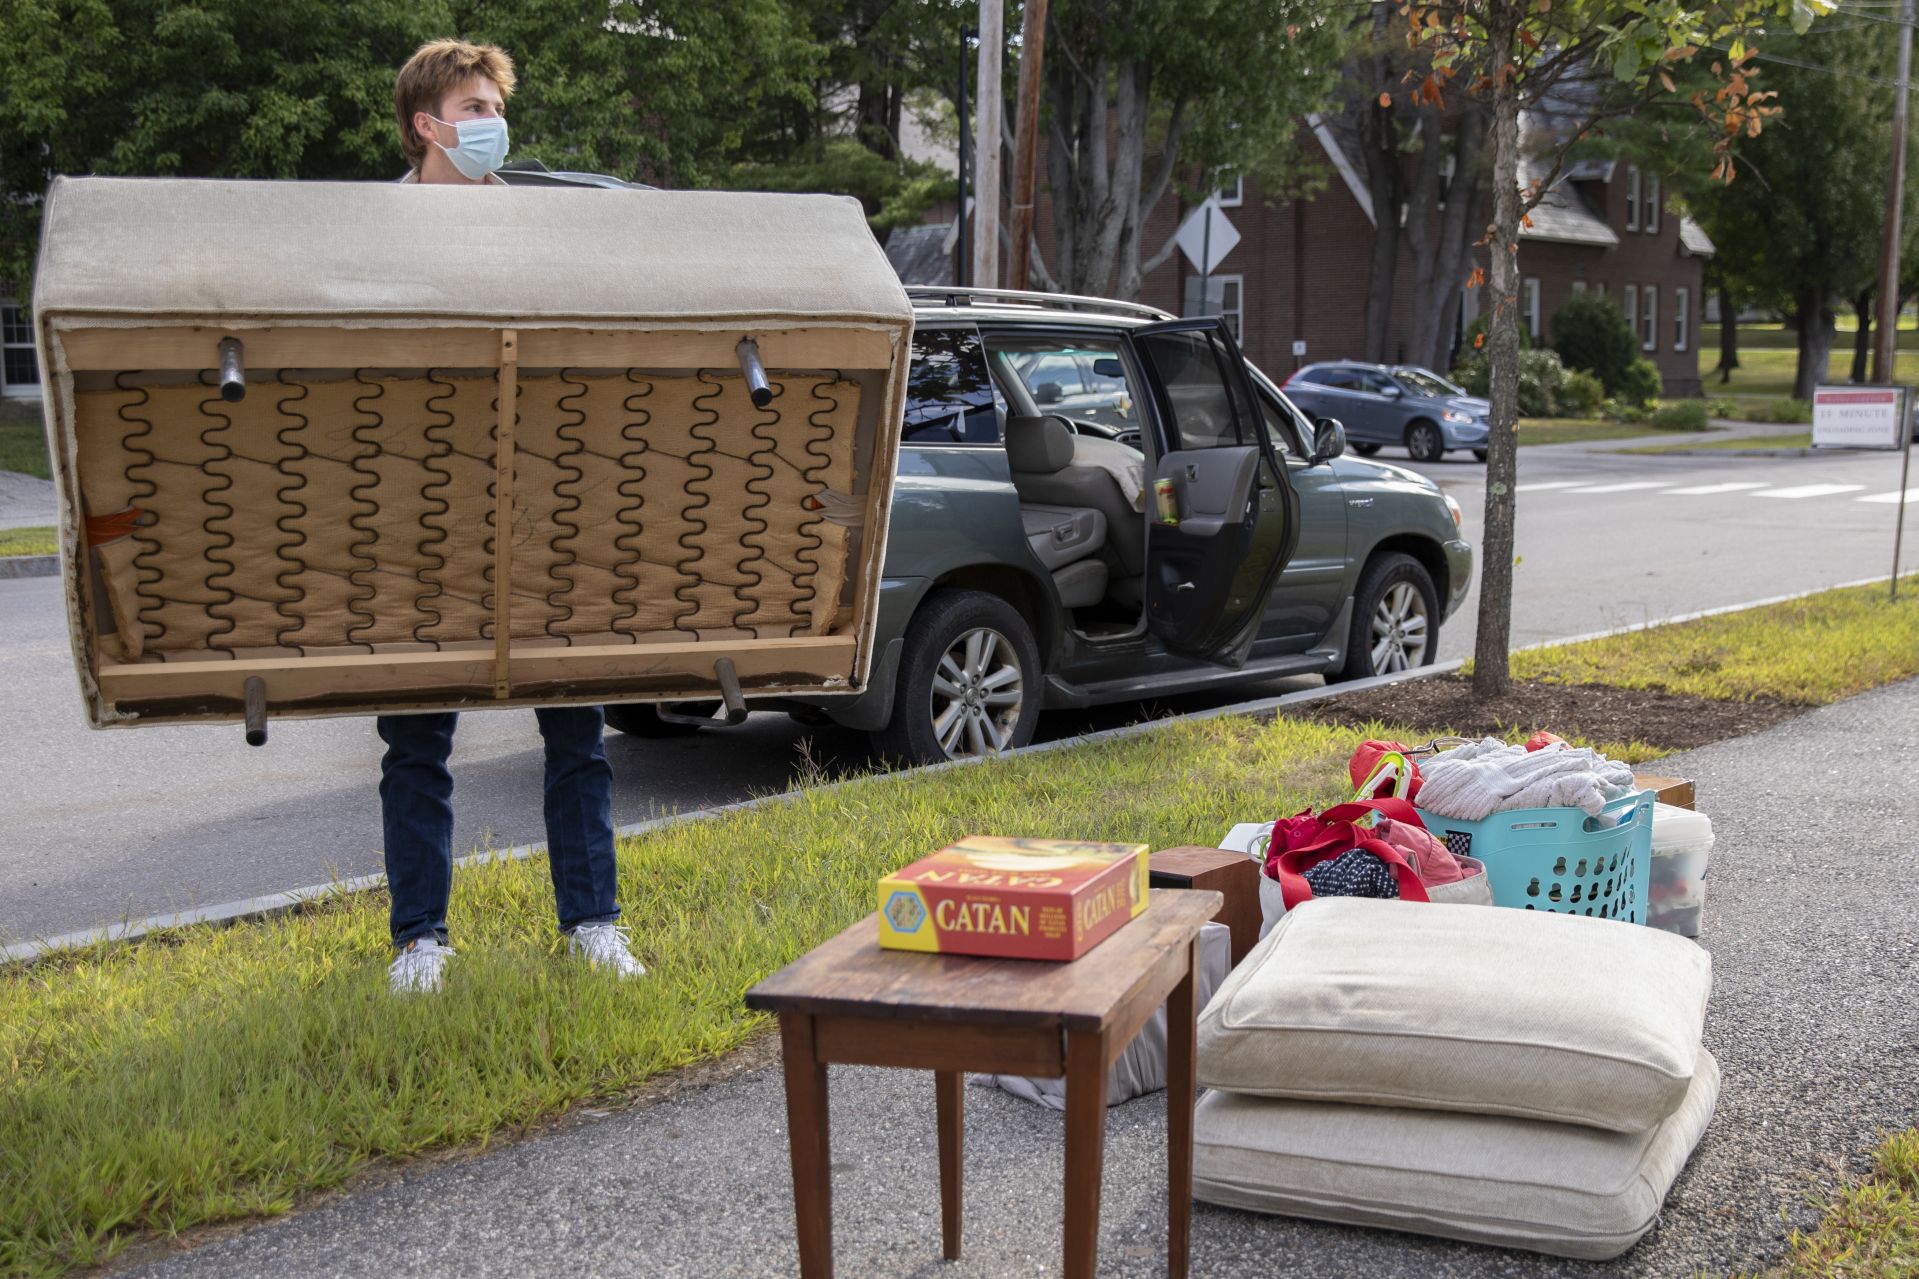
(481,148)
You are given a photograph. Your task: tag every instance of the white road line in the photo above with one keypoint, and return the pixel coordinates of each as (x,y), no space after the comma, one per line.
(1628,487)
(1699,490)
(1548,484)
(1810,490)
(1912,495)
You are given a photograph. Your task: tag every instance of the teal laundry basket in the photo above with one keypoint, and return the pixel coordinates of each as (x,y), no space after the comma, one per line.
(1561,860)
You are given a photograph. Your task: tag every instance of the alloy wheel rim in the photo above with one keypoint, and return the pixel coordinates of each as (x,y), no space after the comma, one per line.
(1425,441)
(978,693)
(1399,629)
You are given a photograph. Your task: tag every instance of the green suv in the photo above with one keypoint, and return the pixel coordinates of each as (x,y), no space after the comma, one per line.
(1097,502)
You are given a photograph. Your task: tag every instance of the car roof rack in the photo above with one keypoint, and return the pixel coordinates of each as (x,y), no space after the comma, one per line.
(956,295)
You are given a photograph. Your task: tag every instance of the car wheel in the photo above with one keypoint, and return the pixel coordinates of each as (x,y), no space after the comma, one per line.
(968,681)
(642,719)
(1395,618)
(1424,441)
(1480,454)
(1365,450)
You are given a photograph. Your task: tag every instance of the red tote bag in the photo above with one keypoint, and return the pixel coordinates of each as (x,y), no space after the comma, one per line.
(1337,836)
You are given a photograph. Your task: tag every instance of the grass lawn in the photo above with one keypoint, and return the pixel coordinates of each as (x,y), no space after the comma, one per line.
(23,439)
(212,1074)
(1869,1228)
(1568,430)
(1801,441)
(1810,651)
(1767,371)
(28,541)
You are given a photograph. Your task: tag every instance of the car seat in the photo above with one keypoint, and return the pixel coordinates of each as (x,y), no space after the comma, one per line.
(1039,451)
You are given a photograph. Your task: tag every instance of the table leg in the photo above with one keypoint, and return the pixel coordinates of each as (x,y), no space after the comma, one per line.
(948,1088)
(806,1124)
(1182,1068)
(1085,1148)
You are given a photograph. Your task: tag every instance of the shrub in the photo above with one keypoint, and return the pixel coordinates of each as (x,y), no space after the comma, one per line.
(1627,411)
(1590,332)
(1642,383)
(1469,343)
(1541,379)
(1680,415)
(1786,411)
(1722,406)
(1582,395)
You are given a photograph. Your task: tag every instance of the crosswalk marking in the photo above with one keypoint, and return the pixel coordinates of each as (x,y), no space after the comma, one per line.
(1627,487)
(1548,484)
(1810,490)
(1700,490)
(1912,495)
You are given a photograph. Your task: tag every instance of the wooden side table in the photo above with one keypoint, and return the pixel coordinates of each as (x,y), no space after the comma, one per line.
(849,1001)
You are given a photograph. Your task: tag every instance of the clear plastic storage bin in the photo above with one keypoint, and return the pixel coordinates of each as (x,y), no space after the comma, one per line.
(1681,847)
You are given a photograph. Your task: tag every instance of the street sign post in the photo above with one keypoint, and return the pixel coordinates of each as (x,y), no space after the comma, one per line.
(1206,237)
(1869,417)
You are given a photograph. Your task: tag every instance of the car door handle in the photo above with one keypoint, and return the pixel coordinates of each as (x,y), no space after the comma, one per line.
(1185,586)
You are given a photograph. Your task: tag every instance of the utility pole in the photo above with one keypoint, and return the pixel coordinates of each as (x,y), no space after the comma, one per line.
(1026,147)
(1886,346)
(963,262)
(992,51)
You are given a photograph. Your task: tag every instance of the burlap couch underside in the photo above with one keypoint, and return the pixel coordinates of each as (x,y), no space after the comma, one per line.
(331,512)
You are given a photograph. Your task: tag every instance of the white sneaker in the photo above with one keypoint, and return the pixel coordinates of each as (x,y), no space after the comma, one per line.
(419,968)
(606,946)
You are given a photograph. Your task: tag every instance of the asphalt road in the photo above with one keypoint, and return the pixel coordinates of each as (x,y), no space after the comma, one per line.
(1810,920)
(120,825)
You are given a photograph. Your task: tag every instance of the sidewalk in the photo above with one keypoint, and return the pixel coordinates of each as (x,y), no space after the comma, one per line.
(1812,919)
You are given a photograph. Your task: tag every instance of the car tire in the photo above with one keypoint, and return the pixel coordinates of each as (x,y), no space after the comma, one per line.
(985,642)
(1365,450)
(1480,454)
(1395,597)
(642,719)
(1424,441)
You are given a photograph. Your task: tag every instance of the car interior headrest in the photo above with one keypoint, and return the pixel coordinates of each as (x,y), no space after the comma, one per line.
(1039,445)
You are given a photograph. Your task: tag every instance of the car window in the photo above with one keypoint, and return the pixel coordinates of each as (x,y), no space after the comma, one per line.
(1421,382)
(1204,410)
(1286,426)
(1341,379)
(1376,382)
(949,396)
(1316,377)
(1081,380)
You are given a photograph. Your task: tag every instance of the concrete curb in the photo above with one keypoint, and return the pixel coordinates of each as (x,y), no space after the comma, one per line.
(1714,452)
(29,566)
(273,904)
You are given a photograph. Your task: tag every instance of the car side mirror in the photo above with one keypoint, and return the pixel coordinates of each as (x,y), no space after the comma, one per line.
(1329,439)
(1048,393)
(1392,392)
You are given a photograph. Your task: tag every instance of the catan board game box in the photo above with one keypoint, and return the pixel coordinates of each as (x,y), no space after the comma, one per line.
(1013,898)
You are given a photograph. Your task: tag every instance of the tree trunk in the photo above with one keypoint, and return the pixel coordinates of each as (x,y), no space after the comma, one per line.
(1817,325)
(1492,670)
(1379,151)
(1862,340)
(1440,280)
(1728,335)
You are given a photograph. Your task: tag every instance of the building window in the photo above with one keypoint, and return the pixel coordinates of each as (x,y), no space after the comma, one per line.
(1651,218)
(1579,287)
(19,366)
(1599,287)
(1529,295)
(1632,197)
(1681,317)
(1224,297)
(1649,316)
(1631,296)
(1232,194)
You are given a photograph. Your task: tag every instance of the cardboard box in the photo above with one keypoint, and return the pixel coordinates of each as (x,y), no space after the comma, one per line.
(1013,898)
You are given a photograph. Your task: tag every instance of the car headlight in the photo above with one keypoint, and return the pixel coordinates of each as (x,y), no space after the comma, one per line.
(1455,416)
(1453,507)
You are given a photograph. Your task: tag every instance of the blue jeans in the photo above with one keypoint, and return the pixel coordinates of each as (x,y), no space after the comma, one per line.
(416,804)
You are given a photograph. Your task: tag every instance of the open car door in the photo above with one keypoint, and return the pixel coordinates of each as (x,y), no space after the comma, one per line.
(1230,521)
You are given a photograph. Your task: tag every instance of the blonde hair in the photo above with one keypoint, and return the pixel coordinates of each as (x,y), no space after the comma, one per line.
(435,70)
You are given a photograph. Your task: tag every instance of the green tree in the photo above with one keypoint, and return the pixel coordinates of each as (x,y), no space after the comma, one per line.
(1800,230)
(1140,93)
(1535,55)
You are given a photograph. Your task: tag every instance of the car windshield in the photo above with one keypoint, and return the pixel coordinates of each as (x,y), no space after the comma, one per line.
(1426,382)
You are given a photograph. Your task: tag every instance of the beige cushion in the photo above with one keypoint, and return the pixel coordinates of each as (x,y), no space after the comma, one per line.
(1451,1007)
(1517,1183)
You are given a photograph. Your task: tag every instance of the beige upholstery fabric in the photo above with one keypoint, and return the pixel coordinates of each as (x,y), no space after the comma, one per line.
(176,246)
(1516,1183)
(359,511)
(1456,1007)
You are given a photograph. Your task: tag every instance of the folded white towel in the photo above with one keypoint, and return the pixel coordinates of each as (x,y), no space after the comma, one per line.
(1474,781)
(1126,464)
